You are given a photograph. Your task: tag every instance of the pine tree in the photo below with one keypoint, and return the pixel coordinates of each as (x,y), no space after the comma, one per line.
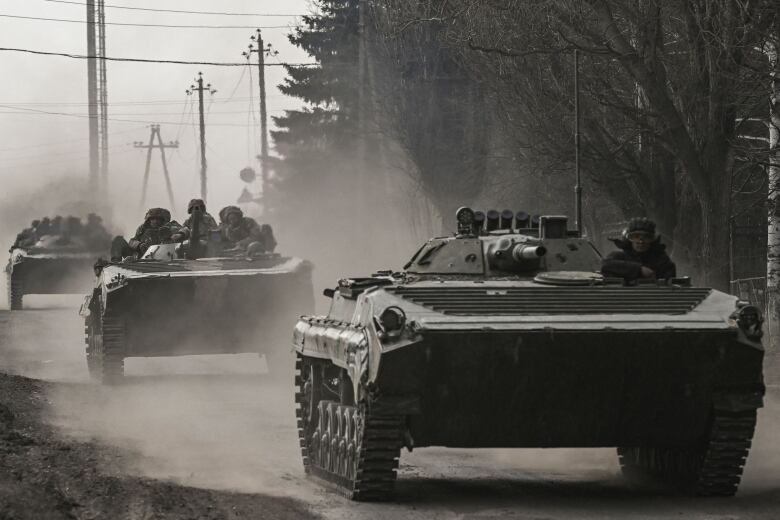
(317,142)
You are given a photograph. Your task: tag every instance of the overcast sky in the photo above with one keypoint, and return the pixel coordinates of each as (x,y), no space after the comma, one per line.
(36,146)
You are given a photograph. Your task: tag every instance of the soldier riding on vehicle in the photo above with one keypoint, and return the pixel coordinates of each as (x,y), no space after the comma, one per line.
(641,255)
(207,222)
(156,229)
(240,232)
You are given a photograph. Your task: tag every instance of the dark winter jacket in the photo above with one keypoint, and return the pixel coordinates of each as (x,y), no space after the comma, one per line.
(627,263)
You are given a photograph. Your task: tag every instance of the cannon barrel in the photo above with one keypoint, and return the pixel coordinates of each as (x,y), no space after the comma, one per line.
(523,252)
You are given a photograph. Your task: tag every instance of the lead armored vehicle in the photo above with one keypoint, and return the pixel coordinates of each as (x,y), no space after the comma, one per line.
(507,336)
(57,263)
(175,302)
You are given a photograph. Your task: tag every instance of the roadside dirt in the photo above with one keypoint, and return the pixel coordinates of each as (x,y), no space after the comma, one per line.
(44,475)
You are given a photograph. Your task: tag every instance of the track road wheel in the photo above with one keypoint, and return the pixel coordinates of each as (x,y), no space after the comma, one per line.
(15,292)
(344,445)
(712,468)
(105,349)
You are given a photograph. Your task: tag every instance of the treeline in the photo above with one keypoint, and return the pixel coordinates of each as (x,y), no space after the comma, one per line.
(474,102)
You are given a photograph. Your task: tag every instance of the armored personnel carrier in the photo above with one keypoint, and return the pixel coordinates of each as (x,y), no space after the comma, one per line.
(175,302)
(505,335)
(53,265)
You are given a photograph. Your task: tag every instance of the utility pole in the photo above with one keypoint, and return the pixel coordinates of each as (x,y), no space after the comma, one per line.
(149,147)
(262,51)
(203,166)
(92,99)
(102,93)
(97,95)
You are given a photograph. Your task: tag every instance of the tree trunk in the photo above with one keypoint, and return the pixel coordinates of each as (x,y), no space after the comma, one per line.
(773,221)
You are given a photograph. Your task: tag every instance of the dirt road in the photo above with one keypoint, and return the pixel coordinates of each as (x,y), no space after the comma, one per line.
(217,424)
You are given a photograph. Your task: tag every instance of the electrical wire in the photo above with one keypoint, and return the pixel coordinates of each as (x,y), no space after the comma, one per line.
(166,26)
(65,141)
(85,116)
(144,60)
(219,13)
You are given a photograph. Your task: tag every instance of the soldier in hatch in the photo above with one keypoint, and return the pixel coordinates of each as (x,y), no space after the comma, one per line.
(207,222)
(156,229)
(28,236)
(240,232)
(44,228)
(641,255)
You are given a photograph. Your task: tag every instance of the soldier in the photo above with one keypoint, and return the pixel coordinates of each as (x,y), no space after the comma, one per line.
(156,229)
(44,228)
(207,222)
(642,254)
(240,232)
(56,225)
(28,236)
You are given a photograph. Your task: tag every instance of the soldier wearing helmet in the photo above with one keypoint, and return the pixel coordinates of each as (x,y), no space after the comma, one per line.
(156,229)
(240,232)
(207,222)
(28,236)
(641,255)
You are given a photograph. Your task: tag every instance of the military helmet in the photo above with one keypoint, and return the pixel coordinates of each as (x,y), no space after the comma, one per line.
(194,203)
(162,213)
(640,225)
(35,223)
(227,210)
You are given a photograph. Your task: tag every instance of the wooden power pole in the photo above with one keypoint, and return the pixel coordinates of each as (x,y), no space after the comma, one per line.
(262,51)
(199,88)
(149,147)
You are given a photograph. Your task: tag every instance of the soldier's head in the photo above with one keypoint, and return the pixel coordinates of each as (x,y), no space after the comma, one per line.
(156,217)
(35,223)
(231,215)
(641,233)
(45,220)
(196,204)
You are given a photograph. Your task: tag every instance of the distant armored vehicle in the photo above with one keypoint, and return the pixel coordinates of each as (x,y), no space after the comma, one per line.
(53,261)
(174,301)
(504,335)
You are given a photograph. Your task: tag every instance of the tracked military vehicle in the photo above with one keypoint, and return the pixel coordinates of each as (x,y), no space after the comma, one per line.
(193,299)
(505,335)
(50,266)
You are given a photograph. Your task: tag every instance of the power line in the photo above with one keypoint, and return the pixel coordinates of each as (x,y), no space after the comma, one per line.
(65,141)
(177,10)
(173,123)
(167,26)
(152,102)
(144,60)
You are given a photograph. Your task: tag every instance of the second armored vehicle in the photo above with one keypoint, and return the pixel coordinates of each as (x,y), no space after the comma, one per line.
(509,337)
(172,302)
(53,263)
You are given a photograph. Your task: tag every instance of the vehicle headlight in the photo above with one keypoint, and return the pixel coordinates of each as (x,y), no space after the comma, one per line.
(392,320)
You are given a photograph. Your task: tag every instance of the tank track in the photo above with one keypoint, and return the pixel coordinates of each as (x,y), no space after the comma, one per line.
(106,351)
(712,469)
(15,292)
(347,448)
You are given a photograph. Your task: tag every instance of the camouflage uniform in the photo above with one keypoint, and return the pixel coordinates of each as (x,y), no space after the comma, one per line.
(145,235)
(28,236)
(246,234)
(207,222)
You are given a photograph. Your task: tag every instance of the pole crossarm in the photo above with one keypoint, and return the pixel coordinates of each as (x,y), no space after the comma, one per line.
(159,145)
